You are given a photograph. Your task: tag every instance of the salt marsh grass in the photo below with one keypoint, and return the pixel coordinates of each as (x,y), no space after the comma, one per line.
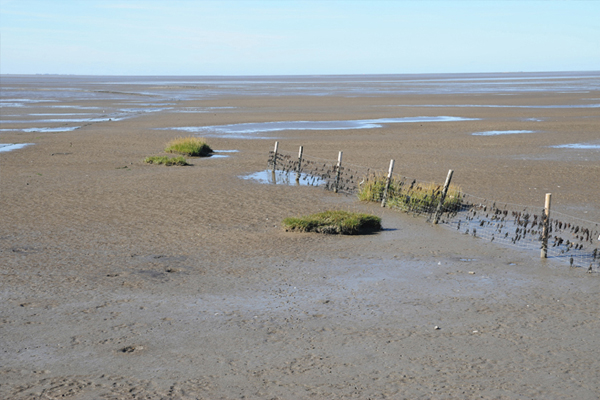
(168,161)
(189,146)
(414,196)
(334,222)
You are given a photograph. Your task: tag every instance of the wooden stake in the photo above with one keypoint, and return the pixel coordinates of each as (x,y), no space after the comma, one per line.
(275,155)
(273,173)
(546,220)
(438,212)
(387,183)
(337,173)
(299,163)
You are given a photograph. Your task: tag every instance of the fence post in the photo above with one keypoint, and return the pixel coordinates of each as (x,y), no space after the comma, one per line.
(544,253)
(337,173)
(299,164)
(275,155)
(273,173)
(438,212)
(387,183)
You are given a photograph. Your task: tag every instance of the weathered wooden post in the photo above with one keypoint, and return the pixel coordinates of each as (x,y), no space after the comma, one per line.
(299,165)
(387,183)
(275,155)
(545,231)
(273,174)
(337,173)
(438,212)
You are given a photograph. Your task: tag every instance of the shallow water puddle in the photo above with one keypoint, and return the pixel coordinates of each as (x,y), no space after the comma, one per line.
(57,114)
(580,146)
(143,110)
(60,129)
(551,106)
(55,120)
(76,107)
(202,109)
(242,130)
(222,155)
(285,178)
(5,147)
(6,103)
(495,133)
(148,104)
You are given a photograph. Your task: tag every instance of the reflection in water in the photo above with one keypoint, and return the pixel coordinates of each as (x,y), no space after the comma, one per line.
(285,178)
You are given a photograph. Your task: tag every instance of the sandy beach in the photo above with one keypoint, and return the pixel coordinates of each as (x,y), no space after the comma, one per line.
(123,280)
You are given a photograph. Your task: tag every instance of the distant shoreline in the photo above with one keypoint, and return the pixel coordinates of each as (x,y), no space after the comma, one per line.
(416,74)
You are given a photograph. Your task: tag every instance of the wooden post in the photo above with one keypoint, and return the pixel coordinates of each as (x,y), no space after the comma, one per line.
(387,183)
(438,212)
(273,173)
(337,173)
(299,164)
(546,220)
(275,155)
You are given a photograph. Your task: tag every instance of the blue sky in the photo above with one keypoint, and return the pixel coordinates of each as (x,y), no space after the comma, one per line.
(296,37)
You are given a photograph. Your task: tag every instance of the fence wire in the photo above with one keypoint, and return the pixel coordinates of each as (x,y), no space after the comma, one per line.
(570,239)
(315,171)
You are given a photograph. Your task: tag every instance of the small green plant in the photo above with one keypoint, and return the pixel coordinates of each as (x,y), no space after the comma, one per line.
(189,146)
(419,197)
(168,161)
(372,189)
(334,222)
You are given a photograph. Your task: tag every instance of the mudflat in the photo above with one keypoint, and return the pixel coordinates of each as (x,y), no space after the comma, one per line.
(123,280)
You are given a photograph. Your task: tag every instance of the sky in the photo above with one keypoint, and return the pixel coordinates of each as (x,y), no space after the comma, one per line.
(185,37)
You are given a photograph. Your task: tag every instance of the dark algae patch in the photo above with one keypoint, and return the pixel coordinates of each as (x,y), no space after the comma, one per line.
(334,222)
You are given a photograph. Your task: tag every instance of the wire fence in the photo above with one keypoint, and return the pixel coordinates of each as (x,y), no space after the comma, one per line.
(573,240)
(315,171)
(570,239)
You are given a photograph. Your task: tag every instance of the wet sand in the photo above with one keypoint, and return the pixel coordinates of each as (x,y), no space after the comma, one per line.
(122,280)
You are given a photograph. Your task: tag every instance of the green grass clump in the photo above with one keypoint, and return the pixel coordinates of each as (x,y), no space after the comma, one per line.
(168,161)
(372,189)
(419,197)
(334,222)
(189,146)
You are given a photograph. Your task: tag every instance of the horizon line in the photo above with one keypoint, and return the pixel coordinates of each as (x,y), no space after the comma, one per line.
(312,75)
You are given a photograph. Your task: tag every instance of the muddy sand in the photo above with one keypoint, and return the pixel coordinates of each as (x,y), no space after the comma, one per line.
(122,280)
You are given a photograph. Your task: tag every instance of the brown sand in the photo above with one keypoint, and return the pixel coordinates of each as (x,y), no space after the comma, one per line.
(122,280)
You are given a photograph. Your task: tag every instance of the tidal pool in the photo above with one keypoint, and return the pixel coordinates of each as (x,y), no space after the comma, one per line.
(495,133)
(59,129)
(581,146)
(244,130)
(549,106)
(284,178)
(4,147)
